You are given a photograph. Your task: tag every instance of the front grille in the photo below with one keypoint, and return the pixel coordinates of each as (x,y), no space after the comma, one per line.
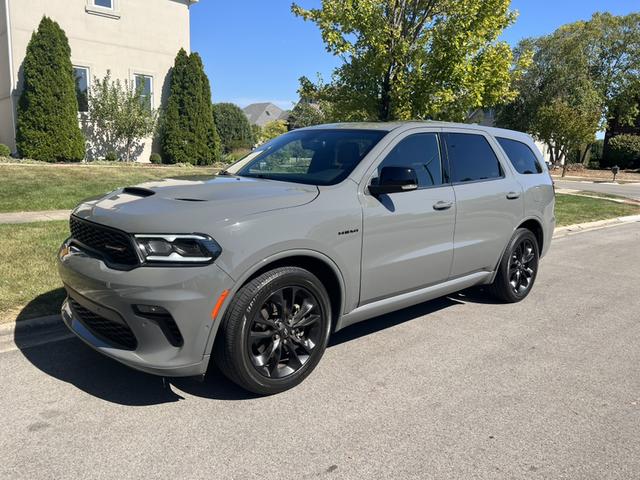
(117,334)
(113,246)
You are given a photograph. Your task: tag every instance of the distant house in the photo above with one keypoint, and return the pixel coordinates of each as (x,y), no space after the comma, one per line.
(262,113)
(136,40)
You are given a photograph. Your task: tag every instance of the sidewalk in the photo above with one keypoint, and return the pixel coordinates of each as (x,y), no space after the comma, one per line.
(28,217)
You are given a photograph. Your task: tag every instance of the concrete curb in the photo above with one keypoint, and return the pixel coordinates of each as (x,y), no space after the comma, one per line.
(32,332)
(38,331)
(586,227)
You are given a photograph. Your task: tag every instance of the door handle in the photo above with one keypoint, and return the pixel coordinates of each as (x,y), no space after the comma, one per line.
(442,205)
(513,195)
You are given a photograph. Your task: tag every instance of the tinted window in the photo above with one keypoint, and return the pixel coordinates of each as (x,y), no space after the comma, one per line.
(520,155)
(314,157)
(420,152)
(471,158)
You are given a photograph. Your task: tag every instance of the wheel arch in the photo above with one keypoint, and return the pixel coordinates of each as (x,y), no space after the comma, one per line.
(534,225)
(317,263)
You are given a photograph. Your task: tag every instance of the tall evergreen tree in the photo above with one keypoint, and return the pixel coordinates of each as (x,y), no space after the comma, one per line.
(47,126)
(188,133)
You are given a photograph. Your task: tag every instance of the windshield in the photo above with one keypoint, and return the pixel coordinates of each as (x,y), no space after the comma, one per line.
(313,157)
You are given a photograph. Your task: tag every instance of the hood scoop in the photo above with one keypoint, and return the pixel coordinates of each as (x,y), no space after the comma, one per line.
(138,191)
(190,199)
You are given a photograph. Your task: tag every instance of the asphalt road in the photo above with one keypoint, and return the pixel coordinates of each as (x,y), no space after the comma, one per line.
(456,388)
(629,190)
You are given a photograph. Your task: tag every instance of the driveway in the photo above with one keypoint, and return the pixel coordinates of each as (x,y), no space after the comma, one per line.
(629,190)
(455,388)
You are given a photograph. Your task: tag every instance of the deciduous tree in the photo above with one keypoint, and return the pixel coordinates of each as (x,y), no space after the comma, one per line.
(581,75)
(404,59)
(232,126)
(119,116)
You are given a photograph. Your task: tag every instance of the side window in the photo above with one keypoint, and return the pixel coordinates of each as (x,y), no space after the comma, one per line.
(471,158)
(520,156)
(421,152)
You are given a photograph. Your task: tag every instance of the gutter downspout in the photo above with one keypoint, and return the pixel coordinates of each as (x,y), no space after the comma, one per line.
(11,68)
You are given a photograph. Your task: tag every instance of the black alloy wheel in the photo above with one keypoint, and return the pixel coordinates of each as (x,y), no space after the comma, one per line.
(522,265)
(285,331)
(518,267)
(275,331)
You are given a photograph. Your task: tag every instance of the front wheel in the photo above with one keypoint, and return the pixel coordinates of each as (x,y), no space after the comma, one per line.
(518,268)
(275,331)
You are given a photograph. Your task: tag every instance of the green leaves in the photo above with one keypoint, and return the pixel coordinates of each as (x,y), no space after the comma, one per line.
(407,59)
(580,77)
(119,117)
(232,126)
(47,126)
(187,129)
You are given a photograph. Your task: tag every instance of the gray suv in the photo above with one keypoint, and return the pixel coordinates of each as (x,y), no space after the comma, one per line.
(318,229)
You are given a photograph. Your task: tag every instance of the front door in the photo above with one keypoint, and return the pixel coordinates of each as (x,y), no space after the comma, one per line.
(408,236)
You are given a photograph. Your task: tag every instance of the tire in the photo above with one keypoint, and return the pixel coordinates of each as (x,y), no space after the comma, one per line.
(518,268)
(259,346)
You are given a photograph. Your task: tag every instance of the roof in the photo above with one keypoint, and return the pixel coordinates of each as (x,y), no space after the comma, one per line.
(263,113)
(407,125)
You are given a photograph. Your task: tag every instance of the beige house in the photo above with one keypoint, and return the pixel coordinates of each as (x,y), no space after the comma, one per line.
(134,39)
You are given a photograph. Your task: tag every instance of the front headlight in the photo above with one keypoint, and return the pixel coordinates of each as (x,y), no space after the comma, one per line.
(191,249)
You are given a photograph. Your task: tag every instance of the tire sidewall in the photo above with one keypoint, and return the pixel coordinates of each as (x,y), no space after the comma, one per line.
(247,370)
(518,236)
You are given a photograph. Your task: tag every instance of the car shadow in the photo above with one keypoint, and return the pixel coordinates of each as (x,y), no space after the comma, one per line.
(73,362)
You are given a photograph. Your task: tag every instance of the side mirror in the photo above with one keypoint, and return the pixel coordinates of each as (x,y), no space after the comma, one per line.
(394,180)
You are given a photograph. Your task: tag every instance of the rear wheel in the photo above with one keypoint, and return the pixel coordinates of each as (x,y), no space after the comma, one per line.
(518,268)
(275,332)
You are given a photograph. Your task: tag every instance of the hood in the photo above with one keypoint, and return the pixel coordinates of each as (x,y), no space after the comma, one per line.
(186,206)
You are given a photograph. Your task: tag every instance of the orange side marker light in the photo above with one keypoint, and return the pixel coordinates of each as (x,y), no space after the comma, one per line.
(219,303)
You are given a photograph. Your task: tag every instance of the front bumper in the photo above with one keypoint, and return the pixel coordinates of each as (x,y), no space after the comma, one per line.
(189,294)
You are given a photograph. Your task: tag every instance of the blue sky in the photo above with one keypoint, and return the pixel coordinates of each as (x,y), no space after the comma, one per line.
(255,50)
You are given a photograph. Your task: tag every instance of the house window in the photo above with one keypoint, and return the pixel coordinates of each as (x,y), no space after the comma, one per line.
(104,3)
(144,85)
(81,75)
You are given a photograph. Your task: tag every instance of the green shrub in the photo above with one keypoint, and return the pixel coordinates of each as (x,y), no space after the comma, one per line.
(111,156)
(155,158)
(232,126)
(625,151)
(4,150)
(47,125)
(187,129)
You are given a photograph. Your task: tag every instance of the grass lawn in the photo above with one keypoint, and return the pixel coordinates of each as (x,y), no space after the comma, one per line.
(30,287)
(29,282)
(571,209)
(53,187)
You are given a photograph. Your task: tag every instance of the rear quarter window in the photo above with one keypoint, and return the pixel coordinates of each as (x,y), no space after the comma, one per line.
(521,156)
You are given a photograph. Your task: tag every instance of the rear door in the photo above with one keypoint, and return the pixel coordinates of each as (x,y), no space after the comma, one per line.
(488,199)
(408,236)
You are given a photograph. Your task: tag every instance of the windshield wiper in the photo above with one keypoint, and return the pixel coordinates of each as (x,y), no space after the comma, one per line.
(224,173)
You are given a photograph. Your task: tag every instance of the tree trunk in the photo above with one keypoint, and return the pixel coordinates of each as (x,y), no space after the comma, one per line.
(585,157)
(565,163)
(385,99)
